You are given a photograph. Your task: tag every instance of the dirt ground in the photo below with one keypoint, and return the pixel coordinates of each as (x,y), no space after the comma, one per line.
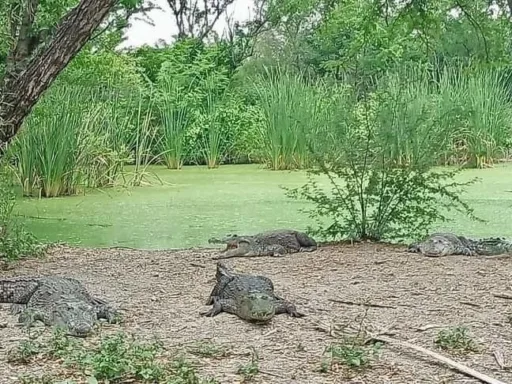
(161,294)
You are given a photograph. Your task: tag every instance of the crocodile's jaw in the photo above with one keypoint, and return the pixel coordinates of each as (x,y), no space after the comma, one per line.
(77,319)
(257,307)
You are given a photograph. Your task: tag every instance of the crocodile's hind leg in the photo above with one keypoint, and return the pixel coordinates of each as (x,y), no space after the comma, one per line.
(219,305)
(105,311)
(307,243)
(284,306)
(308,249)
(413,248)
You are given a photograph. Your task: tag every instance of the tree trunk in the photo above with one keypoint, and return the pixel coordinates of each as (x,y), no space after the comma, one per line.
(21,91)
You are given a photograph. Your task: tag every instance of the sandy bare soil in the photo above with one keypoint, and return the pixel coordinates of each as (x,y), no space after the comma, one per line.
(162,292)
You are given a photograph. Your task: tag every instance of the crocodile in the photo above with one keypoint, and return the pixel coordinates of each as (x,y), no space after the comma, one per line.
(271,243)
(56,301)
(445,244)
(250,297)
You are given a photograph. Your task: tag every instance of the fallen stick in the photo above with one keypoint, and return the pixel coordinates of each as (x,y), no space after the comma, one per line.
(459,367)
(503,295)
(365,304)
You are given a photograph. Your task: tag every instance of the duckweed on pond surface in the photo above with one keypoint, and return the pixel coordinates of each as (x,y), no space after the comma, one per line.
(195,204)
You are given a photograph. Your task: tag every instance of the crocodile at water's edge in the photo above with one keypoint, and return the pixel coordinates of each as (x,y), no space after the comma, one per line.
(271,243)
(445,244)
(250,297)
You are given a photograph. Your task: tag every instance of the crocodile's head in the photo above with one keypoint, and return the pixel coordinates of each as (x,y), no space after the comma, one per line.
(76,318)
(257,307)
(435,246)
(238,246)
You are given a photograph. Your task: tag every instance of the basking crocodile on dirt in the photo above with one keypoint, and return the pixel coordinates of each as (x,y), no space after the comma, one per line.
(271,243)
(250,297)
(445,244)
(55,301)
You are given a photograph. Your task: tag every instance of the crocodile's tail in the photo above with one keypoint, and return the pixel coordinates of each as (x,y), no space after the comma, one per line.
(493,246)
(17,290)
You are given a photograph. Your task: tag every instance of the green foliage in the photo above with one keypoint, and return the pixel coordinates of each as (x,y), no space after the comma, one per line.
(117,358)
(456,340)
(197,102)
(104,69)
(350,354)
(373,194)
(15,241)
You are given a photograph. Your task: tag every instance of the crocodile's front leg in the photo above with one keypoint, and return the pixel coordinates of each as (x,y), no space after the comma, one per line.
(105,311)
(219,305)
(284,306)
(240,251)
(466,251)
(29,316)
(413,248)
(17,309)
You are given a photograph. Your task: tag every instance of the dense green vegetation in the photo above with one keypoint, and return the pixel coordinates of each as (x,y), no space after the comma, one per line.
(372,95)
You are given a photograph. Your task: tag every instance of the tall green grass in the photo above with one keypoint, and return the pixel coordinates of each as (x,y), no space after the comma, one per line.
(413,129)
(75,138)
(488,118)
(212,141)
(109,140)
(289,106)
(463,119)
(145,141)
(175,118)
(48,155)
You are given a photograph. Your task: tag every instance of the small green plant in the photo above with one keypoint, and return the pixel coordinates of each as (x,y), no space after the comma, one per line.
(120,356)
(351,353)
(250,370)
(457,340)
(117,358)
(60,345)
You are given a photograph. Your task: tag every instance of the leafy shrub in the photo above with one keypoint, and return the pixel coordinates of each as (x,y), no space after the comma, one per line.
(374,195)
(456,339)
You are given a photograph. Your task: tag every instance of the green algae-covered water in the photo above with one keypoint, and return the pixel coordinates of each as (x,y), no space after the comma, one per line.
(195,204)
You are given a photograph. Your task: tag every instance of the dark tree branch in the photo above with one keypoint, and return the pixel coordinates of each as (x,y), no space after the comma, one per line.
(21,33)
(197,20)
(20,92)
